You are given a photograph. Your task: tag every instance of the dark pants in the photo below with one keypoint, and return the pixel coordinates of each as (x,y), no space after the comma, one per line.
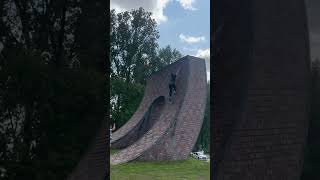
(172,88)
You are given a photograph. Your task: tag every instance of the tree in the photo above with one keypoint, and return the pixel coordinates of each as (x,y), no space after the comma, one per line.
(125,99)
(134,54)
(167,55)
(203,142)
(133,44)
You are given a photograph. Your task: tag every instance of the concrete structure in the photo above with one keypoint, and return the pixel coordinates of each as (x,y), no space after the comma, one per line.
(260,90)
(159,130)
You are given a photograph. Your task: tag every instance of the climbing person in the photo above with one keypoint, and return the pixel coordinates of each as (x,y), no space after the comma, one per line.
(172,85)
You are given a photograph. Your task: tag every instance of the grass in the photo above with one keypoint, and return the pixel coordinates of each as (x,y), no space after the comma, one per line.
(113,151)
(190,169)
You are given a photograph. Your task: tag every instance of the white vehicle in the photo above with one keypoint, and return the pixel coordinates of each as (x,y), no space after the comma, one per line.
(199,155)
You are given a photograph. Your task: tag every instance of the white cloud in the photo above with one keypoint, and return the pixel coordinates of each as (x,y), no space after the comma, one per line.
(205,54)
(189,49)
(191,39)
(187,4)
(154,6)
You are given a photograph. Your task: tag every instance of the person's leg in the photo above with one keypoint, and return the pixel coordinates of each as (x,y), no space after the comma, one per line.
(174,89)
(170,92)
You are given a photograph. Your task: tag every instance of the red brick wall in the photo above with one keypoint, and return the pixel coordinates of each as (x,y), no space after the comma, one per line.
(175,132)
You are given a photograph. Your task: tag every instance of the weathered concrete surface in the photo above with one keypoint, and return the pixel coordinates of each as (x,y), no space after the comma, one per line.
(173,129)
(260,90)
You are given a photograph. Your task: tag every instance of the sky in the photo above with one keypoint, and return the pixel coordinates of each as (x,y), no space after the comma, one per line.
(182,24)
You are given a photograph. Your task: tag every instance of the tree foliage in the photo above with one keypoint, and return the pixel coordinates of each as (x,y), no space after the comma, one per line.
(133,44)
(52,84)
(125,98)
(167,55)
(203,142)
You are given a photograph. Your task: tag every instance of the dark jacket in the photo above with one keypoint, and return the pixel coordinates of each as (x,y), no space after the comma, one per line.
(173,78)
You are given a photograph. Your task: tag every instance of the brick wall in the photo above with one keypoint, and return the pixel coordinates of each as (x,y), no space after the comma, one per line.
(176,130)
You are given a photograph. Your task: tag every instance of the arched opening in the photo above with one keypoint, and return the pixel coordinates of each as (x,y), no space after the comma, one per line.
(148,120)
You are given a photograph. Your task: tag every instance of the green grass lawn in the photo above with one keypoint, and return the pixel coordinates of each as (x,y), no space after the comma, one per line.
(166,170)
(113,151)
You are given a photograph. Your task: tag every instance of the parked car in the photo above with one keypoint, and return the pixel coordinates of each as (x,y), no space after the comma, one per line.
(199,155)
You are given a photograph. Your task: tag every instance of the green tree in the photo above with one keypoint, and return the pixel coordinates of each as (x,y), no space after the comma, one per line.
(203,142)
(167,55)
(125,99)
(134,55)
(133,44)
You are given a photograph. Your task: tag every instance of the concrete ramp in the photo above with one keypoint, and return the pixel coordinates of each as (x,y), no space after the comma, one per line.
(159,130)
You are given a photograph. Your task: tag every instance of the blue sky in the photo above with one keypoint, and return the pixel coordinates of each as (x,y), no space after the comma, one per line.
(189,23)
(182,24)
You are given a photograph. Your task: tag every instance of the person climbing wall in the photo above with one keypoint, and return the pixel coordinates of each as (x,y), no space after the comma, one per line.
(172,84)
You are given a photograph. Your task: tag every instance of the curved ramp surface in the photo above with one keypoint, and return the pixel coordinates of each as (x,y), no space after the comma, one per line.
(160,130)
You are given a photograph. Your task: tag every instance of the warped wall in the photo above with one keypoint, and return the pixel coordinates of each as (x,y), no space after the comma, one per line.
(159,130)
